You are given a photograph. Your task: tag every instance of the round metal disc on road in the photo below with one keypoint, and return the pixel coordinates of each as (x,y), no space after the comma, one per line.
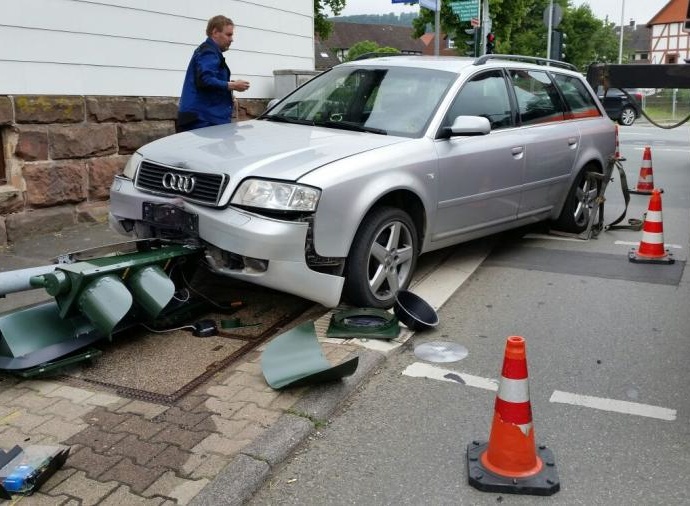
(440,351)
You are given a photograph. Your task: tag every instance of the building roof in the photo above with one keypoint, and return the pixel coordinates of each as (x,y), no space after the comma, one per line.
(641,38)
(323,56)
(344,35)
(675,11)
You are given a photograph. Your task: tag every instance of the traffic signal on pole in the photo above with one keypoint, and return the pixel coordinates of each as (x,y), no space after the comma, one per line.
(557,45)
(472,46)
(490,43)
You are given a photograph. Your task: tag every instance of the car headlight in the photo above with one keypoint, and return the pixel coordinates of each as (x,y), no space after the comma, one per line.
(132,165)
(276,195)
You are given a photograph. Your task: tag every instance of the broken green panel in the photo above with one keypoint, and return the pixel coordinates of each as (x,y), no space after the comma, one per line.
(35,335)
(295,358)
(371,323)
(30,328)
(151,288)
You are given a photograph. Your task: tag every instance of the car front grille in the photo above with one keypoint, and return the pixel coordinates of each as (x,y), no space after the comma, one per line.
(196,187)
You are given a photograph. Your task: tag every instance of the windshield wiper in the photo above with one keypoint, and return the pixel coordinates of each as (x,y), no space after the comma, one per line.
(348,125)
(286,119)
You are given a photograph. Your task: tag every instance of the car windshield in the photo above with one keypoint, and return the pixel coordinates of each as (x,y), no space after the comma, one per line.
(383,100)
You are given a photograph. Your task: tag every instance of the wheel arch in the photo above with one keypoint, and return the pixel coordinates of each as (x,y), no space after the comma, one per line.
(409,202)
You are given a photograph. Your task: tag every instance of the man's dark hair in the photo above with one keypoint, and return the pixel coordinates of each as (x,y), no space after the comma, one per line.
(217,23)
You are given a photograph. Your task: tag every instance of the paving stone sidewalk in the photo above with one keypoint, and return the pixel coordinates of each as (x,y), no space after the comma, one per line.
(216,445)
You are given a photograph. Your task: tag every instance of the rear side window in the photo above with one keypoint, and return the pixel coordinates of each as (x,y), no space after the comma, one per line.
(579,100)
(537,97)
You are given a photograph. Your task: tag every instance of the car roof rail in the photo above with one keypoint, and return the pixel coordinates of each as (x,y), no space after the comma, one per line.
(374,54)
(527,59)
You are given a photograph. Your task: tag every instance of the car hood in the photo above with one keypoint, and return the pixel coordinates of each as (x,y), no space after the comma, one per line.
(284,151)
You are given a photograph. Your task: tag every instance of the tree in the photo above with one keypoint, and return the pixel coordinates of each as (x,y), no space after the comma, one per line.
(323,27)
(367,46)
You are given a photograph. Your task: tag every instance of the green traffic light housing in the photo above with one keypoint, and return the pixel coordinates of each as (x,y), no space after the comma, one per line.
(104,289)
(94,298)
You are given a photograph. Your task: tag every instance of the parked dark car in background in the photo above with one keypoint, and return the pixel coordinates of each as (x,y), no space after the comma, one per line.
(619,107)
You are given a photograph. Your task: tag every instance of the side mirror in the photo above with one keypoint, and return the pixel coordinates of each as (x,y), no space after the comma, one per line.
(469,125)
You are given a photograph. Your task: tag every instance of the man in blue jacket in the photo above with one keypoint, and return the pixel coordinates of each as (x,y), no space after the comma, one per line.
(207,92)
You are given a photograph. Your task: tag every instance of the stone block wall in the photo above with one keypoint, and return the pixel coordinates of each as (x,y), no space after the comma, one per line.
(62,152)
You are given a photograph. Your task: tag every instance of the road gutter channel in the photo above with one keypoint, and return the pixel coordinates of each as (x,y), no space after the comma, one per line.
(250,469)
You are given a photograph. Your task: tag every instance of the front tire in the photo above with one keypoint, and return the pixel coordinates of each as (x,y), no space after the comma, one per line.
(627,116)
(382,258)
(581,202)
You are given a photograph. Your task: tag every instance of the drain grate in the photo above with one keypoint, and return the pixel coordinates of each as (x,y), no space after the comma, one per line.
(243,344)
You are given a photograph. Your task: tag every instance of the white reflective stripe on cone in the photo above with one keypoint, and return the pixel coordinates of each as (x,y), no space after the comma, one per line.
(511,390)
(652,238)
(654,216)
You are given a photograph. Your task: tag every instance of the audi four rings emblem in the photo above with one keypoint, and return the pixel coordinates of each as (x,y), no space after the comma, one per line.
(179,182)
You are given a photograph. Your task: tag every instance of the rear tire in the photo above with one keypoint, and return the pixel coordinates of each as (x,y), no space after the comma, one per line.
(581,202)
(382,258)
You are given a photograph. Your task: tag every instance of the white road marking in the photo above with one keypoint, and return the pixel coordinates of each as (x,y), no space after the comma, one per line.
(421,370)
(668,150)
(628,408)
(637,243)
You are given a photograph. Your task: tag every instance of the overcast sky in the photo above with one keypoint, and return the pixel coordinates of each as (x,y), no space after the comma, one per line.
(639,10)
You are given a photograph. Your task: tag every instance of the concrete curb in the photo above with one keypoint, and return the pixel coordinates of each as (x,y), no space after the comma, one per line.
(248,471)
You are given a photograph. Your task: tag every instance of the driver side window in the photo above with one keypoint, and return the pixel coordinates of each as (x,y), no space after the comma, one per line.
(485,95)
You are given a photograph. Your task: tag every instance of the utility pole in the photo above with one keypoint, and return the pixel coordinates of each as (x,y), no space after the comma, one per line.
(549,30)
(485,24)
(620,44)
(437,23)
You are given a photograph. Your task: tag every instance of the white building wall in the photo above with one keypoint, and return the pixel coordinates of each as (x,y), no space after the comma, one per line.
(142,47)
(667,40)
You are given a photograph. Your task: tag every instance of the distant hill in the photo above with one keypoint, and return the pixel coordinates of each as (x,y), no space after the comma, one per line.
(402,19)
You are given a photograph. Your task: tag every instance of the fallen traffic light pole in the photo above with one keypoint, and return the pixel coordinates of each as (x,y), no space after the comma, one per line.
(97,293)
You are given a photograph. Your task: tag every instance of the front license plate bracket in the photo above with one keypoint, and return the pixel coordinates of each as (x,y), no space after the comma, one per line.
(170,217)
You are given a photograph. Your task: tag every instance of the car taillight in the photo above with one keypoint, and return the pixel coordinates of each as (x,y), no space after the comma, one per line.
(638,97)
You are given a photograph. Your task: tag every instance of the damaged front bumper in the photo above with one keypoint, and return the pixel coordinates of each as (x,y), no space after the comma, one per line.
(244,246)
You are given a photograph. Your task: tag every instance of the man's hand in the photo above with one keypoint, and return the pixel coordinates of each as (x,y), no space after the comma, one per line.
(238,85)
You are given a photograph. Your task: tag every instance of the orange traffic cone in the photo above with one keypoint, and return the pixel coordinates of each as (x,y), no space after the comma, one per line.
(645,182)
(509,463)
(651,248)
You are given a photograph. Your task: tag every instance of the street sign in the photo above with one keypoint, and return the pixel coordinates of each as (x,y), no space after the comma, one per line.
(429,4)
(556,16)
(474,22)
(465,9)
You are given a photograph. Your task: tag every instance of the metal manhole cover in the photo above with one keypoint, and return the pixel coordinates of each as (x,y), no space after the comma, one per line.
(440,351)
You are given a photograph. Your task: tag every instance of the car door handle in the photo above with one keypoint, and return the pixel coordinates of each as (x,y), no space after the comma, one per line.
(572,142)
(518,152)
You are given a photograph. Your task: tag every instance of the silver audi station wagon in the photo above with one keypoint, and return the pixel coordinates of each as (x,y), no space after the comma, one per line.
(339,187)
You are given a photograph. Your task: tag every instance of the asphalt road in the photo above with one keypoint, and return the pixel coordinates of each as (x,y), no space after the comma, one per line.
(595,325)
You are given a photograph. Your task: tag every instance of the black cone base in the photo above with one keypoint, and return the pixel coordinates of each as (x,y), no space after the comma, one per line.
(545,482)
